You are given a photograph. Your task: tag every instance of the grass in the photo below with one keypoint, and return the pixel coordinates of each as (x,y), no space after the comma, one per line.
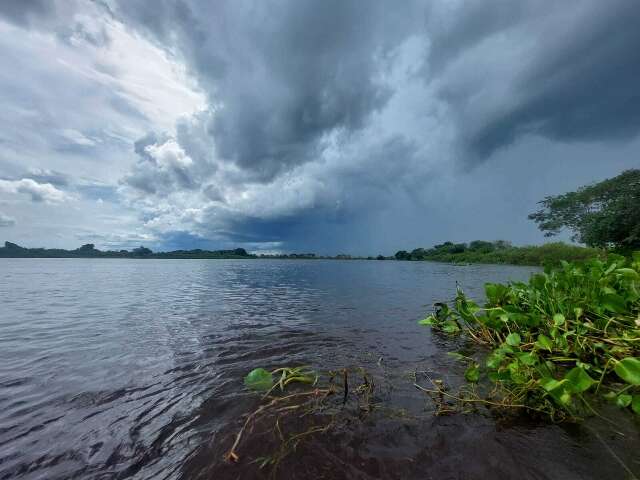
(566,336)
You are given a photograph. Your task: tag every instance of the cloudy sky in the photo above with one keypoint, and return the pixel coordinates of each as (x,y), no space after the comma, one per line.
(297,125)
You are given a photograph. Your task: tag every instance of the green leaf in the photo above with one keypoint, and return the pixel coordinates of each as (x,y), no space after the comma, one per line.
(427,321)
(450,327)
(527,358)
(551,384)
(557,389)
(259,379)
(456,355)
(614,303)
(494,360)
(491,290)
(516,373)
(628,369)
(628,272)
(623,400)
(472,374)
(579,380)
(504,348)
(635,404)
(558,319)
(499,376)
(544,343)
(513,339)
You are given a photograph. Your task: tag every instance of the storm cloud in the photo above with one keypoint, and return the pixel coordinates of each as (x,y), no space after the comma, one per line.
(280,76)
(566,71)
(305,124)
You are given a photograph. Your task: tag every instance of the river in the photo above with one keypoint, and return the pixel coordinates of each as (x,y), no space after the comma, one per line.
(116,368)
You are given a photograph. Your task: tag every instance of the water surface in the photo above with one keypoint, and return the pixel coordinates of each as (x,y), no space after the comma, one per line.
(115,368)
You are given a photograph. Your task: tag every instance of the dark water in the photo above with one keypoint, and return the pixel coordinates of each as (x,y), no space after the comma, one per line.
(133,369)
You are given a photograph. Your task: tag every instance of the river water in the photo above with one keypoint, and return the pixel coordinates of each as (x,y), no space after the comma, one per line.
(119,368)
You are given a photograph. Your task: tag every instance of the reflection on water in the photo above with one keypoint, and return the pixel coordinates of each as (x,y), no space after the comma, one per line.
(127,368)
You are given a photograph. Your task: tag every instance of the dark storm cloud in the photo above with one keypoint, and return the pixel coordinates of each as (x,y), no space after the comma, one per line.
(577,83)
(349,192)
(453,33)
(586,88)
(283,74)
(21,12)
(324,117)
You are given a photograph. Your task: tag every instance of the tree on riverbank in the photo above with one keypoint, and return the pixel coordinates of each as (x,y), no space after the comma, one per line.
(605,214)
(500,251)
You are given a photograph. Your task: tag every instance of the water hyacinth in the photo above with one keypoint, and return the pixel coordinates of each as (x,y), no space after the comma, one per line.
(567,333)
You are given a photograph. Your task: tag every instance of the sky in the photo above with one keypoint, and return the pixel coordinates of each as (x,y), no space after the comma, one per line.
(333,126)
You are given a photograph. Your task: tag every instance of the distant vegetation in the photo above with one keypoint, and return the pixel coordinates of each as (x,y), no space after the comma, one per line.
(475,252)
(604,216)
(480,251)
(89,251)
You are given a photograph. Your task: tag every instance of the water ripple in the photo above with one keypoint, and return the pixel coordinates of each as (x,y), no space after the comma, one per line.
(133,369)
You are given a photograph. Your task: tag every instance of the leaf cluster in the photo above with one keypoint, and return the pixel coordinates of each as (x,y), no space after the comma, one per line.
(569,332)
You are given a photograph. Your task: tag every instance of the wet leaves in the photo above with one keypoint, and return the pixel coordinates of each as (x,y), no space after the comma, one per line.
(472,374)
(628,369)
(552,337)
(579,380)
(513,339)
(544,343)
(259,379)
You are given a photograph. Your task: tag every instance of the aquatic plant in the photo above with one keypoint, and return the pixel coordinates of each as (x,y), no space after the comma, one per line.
(291,417)
(568,334)
(261,379)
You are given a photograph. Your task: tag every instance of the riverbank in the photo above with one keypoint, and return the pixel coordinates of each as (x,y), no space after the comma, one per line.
(501,252)
(482,252)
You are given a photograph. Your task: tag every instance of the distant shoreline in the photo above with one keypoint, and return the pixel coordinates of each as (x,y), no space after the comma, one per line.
(477,252)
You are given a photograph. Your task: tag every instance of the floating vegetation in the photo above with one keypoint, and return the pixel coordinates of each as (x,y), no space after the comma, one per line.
(568,335)
(297,404)
(261,379)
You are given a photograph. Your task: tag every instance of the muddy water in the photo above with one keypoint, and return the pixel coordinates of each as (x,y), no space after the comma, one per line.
(133,369)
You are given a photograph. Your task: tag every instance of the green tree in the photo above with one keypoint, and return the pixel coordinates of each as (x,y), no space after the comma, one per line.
(402,255)
(481,246)
(605,214)
(142,251)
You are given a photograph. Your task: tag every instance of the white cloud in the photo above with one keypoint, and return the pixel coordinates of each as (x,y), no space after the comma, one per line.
(6,221)
(39,192)
(169,155)
(77,137)
(86,81)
